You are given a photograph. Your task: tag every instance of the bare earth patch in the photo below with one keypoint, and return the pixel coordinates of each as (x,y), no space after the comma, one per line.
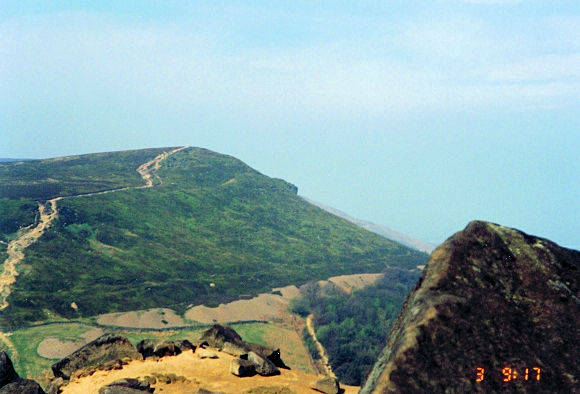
(151,318)
(265,306)
(207,373)
(351,282)
(56,348)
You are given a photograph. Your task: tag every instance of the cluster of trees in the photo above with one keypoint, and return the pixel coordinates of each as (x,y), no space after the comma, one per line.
(353,327)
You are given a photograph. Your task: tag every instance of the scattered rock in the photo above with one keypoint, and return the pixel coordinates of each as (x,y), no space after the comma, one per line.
(217,335)
(212,356)
(158,348)
(126,386)
(242,368)
(229,341)
(327,385)
(184,345)
(7,372)
(54,386)
(489,298)
(105,349)
(263,366)
(22,386)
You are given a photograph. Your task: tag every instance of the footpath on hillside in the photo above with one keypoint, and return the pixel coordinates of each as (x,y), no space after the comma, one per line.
(319,347)
(48,212)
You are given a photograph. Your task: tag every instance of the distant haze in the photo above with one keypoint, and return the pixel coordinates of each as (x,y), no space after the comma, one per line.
(418,115)
(379,229)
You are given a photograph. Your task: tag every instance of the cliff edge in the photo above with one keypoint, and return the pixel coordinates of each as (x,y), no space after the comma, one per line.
(496,310)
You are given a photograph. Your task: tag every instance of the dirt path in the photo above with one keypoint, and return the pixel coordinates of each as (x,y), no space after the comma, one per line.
(15,250)
(321,350)
(48,213)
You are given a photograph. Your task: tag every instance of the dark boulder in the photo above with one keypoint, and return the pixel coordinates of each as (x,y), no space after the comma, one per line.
(217,335)
(242,368)
(22,386)
(271,354)
(263,366)
(7,372)
(105,349)
(157,348)
(184,345)
(126,386)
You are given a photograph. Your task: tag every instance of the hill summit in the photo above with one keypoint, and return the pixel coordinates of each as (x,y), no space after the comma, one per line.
(496,310)
(166,227)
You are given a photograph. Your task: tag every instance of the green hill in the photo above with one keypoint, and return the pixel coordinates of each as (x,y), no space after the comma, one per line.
(211,229)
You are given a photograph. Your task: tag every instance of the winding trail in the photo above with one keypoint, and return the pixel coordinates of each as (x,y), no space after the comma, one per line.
(48,213)
(321,350)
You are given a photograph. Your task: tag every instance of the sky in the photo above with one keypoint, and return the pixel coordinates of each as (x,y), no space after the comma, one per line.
(418,115)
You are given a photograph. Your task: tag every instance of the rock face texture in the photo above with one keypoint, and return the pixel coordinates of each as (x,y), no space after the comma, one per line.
(496,310)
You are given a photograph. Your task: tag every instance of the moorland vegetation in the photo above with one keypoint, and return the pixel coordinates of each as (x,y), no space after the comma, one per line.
(211,230)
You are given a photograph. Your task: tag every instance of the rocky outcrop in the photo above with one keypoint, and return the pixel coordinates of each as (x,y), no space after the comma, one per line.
(229,341)
(160,348)
(496,310)
(106,349)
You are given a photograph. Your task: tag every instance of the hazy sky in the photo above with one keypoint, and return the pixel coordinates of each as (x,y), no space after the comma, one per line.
(419,115)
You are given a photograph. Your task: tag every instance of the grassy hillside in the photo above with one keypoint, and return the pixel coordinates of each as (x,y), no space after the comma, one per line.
(210,230)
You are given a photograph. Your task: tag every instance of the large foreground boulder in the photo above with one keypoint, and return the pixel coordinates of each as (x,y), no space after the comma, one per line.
(105,349)
(496,311)
(7,372)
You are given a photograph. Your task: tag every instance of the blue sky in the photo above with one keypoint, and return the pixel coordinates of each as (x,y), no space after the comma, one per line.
(417,115)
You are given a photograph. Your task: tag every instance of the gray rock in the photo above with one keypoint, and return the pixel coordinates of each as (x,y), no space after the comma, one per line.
(263,366)
(54,386)
(126,386)
(184,345)
(106,348)
(217,335)
(327,385)
(7,372)
(242,368)
(22,386)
